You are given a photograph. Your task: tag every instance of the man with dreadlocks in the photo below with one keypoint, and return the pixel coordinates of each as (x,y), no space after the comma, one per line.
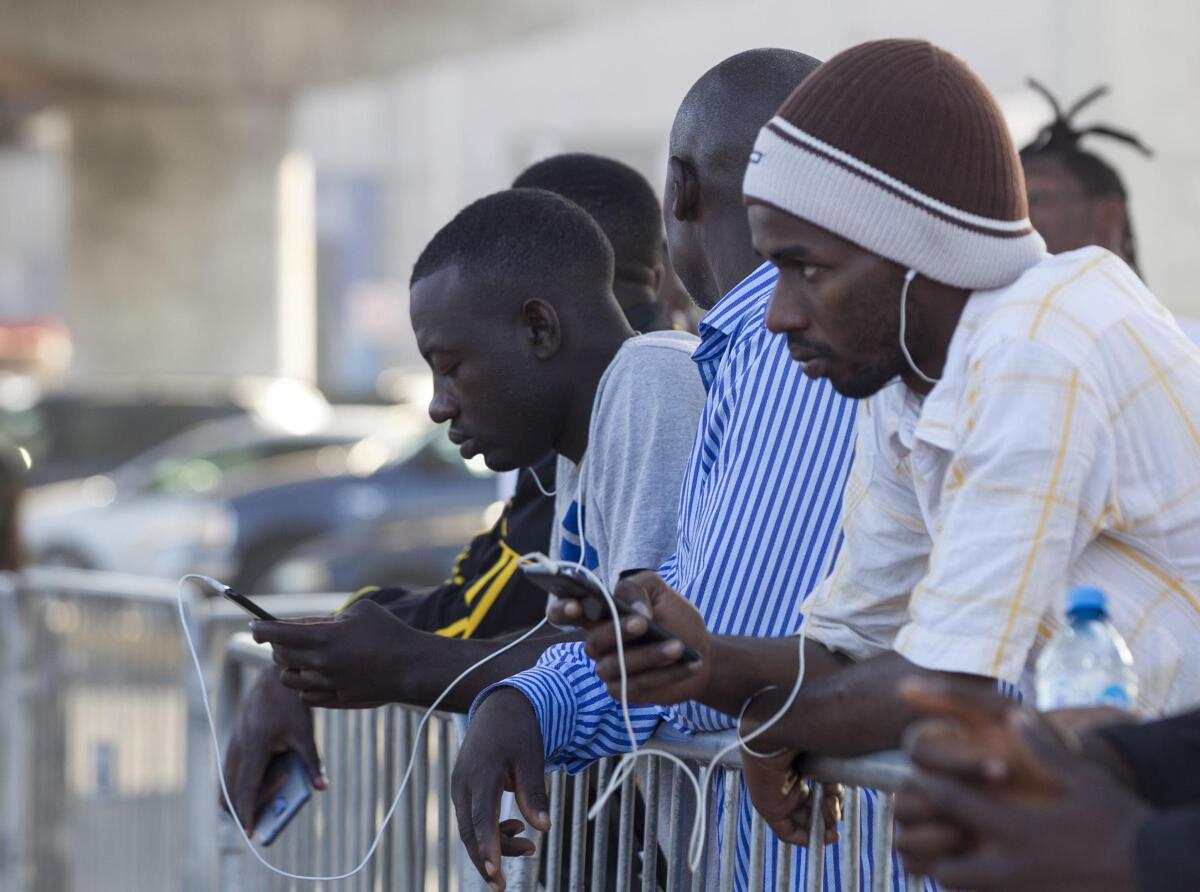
(1076,198)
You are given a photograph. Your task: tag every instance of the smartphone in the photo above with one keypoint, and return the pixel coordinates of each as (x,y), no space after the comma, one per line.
(569,581)
(284,791)
(246,604)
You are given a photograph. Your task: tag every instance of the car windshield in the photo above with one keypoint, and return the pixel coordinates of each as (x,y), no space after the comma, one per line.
(71,437)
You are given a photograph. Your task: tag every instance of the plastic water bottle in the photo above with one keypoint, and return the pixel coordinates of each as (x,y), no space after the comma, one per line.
(1088,663)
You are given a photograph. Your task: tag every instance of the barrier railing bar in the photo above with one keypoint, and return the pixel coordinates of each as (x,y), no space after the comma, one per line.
(851,843)
(649,857)
(579,808)
(729,829)
(815,880)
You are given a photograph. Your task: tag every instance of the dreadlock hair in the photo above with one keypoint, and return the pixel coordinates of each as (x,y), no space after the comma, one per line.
(1060,139)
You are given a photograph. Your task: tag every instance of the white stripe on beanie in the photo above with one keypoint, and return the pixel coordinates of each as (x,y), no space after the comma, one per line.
(807,178)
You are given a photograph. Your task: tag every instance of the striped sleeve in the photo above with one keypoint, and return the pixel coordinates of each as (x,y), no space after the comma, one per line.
(579,721)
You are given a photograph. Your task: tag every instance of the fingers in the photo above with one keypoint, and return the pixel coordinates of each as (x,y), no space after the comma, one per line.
(1054,760)
(511,845)
(638,590)
(322,699)
(299,634)
(780,796)
(530,789)
(305,746)
(477,806)
(924,844)
(831,805)
(307,680)
(565,612)
(923,836)
(957,802)
(974,703)
(602,638)
(246,783)
(943,746)
(638,659)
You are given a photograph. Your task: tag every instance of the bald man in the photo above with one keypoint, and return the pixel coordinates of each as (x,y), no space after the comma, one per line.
(759,510)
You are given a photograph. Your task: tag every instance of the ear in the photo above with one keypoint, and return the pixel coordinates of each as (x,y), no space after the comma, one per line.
(657,277)
(685,189)
(1108,222)
(541,328)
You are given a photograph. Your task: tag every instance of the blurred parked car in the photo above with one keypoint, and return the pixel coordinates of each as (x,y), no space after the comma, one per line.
(93,428)
(161,511)
(414,552)
(421,499)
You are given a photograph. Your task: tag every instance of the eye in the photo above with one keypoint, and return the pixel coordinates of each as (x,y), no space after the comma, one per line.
(449,371)
(809,271)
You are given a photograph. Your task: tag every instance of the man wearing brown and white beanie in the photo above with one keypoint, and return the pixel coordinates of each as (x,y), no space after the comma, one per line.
(1028,424)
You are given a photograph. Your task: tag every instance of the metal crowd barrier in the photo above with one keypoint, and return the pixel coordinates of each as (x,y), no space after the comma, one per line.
(108,782)
(104,747)
(638,841)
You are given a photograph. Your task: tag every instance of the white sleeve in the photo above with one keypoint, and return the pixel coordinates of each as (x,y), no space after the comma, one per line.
(863,604)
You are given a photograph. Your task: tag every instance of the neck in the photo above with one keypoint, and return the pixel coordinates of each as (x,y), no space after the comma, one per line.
(728,247)
(632,294)
(943,307)
(596,354)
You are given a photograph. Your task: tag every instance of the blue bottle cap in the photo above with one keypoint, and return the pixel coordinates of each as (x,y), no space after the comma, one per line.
(1085,599)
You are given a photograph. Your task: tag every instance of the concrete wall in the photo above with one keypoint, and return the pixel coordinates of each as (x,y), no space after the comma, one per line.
(173,236)
(444,134)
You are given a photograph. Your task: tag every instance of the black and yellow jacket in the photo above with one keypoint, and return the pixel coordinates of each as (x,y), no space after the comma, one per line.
(485,595)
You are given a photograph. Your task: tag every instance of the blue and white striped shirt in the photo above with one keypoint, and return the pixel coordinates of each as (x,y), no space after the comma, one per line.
(759,521)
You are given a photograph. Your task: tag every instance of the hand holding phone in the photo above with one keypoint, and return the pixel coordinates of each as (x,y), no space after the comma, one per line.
(570,581)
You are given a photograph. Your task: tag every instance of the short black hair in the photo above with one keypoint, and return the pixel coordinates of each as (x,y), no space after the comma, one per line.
(522,238)
(616,196)
(1099,179)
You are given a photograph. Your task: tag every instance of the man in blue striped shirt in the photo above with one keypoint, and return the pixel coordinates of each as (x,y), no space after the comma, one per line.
(760,505)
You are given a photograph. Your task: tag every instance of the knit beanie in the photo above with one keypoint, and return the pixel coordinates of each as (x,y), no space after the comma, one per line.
(897,146)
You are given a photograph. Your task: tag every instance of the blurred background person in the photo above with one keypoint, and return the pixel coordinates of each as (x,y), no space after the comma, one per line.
(1076,198)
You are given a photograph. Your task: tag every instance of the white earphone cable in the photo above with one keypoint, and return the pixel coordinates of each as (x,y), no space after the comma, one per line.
(908,277)
(212,727)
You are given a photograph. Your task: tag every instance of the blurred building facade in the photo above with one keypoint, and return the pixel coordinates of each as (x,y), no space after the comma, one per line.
(185,248)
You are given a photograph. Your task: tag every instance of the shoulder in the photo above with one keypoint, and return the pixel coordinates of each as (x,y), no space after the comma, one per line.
(1074,306)
(649,356)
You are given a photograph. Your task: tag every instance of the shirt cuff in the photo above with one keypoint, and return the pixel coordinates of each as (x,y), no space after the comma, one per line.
(553,702)
(842,638)
(969,654)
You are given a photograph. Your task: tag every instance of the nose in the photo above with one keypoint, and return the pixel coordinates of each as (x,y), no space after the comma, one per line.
(786,312)
(442,407)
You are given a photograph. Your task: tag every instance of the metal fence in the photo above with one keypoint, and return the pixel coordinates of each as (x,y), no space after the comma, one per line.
(637,841)
(101,754)
(108,782)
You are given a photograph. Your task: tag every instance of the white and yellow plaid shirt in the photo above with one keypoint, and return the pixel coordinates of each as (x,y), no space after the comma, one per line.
(1061,447)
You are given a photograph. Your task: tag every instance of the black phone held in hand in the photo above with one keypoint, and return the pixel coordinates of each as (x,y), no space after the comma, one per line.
(570,581)
(246,604)
(285,789)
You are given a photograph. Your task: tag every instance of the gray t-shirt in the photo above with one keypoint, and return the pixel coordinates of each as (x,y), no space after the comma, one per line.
(644,419)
